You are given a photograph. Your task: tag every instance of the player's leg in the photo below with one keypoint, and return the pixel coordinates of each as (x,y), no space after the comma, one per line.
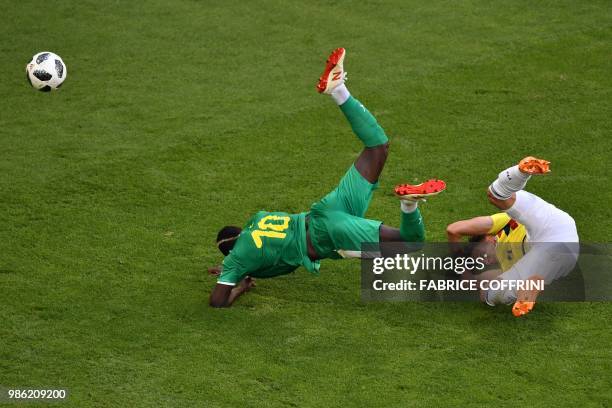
(543,263)
(522,270)
(354,192)
(355,189)
(553,249)
(544,221)
(347,233)
(552,234)
(333,230)
(502,191)
(372,159)
(412,227)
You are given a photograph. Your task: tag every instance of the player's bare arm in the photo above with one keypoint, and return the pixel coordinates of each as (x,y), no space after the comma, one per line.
(458,230)
(215,270)
(224,295)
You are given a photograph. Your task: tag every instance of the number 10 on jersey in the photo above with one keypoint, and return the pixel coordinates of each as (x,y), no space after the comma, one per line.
(270,226)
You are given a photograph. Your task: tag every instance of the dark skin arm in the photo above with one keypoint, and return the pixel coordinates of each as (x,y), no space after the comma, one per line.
(225,295)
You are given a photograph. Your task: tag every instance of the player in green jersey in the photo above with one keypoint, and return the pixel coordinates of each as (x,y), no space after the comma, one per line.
(277,243)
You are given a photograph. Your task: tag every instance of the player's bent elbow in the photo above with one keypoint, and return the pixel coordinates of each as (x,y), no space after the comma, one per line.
(452,230)
(386,149)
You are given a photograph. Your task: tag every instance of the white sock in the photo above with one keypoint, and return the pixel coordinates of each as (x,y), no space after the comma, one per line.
(508,182)
(340,94)
(408,206)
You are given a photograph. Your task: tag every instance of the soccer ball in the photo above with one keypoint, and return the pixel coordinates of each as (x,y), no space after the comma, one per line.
(46,72)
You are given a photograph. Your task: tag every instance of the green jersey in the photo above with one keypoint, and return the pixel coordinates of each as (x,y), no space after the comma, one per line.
(271,244)
(274,243)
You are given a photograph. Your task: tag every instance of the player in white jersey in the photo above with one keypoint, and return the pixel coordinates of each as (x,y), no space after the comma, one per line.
(551,235)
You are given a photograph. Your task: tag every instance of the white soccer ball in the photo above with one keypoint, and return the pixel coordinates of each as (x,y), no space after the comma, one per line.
(46,72)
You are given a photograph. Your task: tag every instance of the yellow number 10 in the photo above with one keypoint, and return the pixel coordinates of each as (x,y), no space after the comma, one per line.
(270,230)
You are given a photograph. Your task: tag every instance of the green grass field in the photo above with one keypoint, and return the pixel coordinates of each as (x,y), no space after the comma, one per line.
(179,117)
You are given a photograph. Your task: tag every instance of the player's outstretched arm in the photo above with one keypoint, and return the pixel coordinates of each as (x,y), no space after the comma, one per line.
(475,226)
(225,295)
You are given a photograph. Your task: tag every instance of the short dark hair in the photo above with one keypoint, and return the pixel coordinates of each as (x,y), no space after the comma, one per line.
(473,242)
(226,238)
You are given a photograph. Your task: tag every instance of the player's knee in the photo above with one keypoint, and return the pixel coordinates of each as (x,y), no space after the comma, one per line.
(501,204)
(385,149)
(382,151)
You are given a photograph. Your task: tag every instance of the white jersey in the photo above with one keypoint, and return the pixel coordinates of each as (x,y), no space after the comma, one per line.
(553,244)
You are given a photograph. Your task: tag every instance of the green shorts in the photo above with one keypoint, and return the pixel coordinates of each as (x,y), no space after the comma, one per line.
(337,223)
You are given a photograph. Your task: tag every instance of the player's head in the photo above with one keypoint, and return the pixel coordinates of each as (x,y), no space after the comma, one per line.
(226,238)
(483,246)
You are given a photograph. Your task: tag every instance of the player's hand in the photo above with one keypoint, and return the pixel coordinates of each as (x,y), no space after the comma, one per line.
(247,283)
(215,270)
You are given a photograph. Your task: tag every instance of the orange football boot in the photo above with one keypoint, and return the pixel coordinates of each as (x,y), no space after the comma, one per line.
(334,74)
(420,191)
(533,165)
(522,307)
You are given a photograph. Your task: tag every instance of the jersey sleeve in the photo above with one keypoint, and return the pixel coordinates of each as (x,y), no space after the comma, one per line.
(243,260)
(233,271)
(499,221)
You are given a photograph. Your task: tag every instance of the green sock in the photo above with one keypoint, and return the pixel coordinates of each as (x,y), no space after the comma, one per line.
(363,123)
(412,228)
